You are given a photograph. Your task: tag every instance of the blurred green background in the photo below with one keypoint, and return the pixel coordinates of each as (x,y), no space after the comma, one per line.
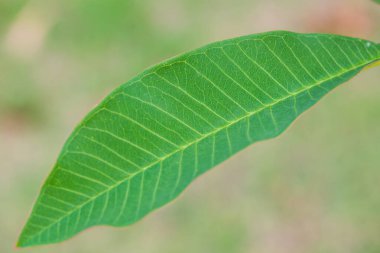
(314,189)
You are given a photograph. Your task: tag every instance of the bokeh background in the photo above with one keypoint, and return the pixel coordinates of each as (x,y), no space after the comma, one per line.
(314,189)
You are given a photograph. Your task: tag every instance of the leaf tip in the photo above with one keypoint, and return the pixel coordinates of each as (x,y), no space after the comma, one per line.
(21,243)
(24,239)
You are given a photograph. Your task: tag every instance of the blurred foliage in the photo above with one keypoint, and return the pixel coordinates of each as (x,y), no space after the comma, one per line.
(314,189)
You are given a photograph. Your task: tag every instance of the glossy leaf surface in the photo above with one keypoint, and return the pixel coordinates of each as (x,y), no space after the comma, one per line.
(155,134)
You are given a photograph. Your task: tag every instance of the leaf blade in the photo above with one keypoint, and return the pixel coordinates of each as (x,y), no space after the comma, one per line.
(152,136)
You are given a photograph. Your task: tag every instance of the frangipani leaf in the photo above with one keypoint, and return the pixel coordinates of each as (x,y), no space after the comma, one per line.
(155,134)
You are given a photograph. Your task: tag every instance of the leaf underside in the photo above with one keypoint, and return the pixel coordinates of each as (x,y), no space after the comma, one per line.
(153,135)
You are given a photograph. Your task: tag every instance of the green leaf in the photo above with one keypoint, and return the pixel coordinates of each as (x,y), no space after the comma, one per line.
(153,135)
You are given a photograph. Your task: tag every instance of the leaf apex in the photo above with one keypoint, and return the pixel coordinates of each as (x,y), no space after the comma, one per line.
(23,240)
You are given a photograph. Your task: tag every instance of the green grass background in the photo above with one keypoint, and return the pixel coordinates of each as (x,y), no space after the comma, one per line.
(315,189)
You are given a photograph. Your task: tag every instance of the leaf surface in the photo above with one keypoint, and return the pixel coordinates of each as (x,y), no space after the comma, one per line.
(152,136)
